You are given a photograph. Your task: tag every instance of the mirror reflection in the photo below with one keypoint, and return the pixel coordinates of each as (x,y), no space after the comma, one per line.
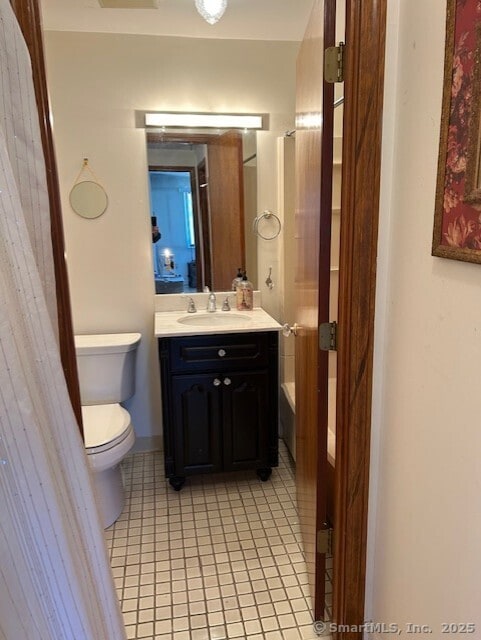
(172,194)
(203,198)
(88,199)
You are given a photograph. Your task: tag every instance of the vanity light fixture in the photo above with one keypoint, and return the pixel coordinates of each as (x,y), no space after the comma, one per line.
(211,10)
(204,120)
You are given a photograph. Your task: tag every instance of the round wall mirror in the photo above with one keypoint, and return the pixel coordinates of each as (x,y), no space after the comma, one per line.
(88,199)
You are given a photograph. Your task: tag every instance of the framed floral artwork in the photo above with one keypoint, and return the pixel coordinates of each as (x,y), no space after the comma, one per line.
(457,219)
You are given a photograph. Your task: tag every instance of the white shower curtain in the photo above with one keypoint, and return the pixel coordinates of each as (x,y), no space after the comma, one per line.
(55,578)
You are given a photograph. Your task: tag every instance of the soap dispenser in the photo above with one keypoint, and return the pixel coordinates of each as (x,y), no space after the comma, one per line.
(245,295)
(237,280)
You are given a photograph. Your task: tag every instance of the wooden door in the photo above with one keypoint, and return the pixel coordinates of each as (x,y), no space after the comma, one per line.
(226,199)
(314,149)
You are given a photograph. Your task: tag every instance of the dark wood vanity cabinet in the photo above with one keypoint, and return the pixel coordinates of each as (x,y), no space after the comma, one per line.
(220,404)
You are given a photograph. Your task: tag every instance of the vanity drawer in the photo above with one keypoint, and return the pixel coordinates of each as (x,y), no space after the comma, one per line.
(219,352)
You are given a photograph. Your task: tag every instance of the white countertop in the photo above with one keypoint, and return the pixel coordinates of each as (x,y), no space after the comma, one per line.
(167,322)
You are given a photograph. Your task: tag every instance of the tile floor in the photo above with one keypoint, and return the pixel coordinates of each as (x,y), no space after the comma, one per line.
(219,559)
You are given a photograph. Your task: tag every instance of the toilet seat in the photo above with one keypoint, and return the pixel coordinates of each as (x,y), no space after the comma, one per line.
(105,426)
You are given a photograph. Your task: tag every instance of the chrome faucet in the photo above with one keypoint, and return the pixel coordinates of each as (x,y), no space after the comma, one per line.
(211,303)
(191,308)
(226,305)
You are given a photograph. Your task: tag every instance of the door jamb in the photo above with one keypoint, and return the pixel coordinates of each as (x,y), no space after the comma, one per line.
(361,166)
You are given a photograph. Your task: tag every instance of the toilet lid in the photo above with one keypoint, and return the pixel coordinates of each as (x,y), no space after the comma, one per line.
(104,424)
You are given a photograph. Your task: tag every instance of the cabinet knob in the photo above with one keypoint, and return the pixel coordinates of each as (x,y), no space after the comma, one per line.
(217,382)
(221,353)
(227,381)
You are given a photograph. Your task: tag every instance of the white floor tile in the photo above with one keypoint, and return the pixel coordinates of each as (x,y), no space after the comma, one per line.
(220,559)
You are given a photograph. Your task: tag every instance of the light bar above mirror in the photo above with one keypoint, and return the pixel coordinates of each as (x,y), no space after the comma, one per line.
(205,120)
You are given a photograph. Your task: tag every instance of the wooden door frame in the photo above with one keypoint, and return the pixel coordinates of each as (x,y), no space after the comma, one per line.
(361,167)
(365,37)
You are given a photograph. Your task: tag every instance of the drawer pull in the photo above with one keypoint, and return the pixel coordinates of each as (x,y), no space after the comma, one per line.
(227,381)
(217,382)
(221,353)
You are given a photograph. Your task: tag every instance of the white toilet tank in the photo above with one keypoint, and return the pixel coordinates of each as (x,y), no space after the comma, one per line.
(106,367)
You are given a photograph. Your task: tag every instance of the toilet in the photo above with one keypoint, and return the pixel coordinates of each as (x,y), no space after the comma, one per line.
(106,370)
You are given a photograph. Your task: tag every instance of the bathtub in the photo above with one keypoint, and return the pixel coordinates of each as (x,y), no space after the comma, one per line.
(287,412)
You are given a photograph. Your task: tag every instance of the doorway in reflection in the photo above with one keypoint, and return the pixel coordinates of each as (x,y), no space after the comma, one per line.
(173,198)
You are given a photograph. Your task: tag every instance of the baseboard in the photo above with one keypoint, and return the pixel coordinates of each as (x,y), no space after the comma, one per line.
(149,443)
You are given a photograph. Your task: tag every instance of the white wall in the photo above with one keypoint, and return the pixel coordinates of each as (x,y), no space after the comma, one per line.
(96,83)
(424,542)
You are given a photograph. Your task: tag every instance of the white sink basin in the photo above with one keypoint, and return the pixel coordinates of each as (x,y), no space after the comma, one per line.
(216,319)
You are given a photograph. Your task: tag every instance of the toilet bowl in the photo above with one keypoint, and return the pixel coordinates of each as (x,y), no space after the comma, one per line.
(109,436)
(106,366)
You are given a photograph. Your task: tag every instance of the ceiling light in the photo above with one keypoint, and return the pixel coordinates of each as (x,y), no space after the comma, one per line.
(202,120)
(211,10)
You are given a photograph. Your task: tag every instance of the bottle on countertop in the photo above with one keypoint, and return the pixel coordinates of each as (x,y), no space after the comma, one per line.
(245,294)
(237,279)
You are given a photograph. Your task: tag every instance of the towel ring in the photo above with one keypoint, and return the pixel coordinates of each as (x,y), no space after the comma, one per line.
(268,215)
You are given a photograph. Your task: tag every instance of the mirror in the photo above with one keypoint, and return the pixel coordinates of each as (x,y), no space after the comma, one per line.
(88,199)
(203,197)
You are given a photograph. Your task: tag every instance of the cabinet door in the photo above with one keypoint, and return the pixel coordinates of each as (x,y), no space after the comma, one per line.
(246,420)
(197,423)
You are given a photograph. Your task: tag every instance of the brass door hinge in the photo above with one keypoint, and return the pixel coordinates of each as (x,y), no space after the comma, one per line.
(328,336)
(334,63)
(324,539)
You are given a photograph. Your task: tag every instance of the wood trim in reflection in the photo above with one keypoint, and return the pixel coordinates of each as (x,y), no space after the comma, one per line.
(187,138)
(29,19)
